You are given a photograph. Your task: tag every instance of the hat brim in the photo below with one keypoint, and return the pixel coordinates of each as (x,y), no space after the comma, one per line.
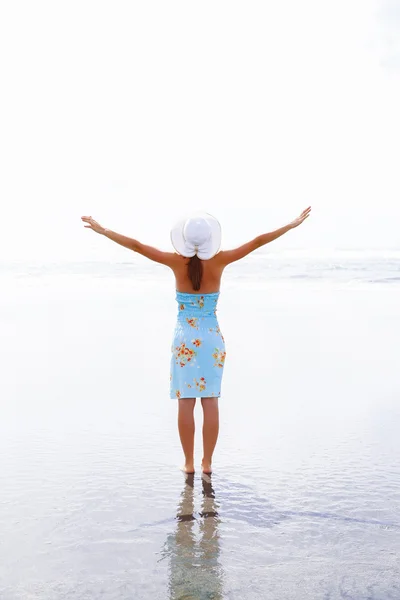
(209,250)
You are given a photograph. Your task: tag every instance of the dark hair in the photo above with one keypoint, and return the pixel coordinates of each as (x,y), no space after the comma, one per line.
(195,271)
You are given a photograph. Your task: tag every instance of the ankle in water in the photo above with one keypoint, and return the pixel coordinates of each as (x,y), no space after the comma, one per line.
(206,466)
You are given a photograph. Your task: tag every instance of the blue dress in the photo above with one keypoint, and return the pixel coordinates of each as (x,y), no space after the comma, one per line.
(198,348)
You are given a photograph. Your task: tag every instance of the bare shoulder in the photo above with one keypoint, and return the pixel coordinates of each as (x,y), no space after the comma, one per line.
(177,262)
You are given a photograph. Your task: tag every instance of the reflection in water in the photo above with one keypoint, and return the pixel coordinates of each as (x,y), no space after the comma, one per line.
(193,548)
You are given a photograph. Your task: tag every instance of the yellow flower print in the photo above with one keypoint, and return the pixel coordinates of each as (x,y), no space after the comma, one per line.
(192,322)
(196,342)
(178,394)
(219,357)
(184,355)
(201,384)
(200,301)
(188,384)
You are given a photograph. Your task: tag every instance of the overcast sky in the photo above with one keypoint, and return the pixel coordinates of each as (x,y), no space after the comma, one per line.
(136,112)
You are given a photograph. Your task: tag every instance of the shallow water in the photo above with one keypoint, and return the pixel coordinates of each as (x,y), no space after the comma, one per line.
(305,498)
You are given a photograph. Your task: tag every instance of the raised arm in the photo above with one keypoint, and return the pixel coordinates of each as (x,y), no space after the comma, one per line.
(229,256)
(165,258)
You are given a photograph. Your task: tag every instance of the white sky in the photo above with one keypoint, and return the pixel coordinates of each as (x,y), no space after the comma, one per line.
(136,112)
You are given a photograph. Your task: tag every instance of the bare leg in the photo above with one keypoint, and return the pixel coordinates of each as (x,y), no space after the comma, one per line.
(186,431)
(210,431)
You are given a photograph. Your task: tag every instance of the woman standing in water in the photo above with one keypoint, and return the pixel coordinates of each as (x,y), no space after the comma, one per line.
(198,349)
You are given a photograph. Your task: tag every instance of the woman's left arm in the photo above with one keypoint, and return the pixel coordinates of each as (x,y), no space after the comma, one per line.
(165,258)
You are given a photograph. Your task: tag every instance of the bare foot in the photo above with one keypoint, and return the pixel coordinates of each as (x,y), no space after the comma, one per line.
(206,466)
(188,469)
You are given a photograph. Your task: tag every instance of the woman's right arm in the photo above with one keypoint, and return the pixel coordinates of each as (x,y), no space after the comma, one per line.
(122,240)
(229,256)
(165,258)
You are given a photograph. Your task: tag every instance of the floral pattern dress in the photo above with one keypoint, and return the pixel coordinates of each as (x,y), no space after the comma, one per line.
(198,348)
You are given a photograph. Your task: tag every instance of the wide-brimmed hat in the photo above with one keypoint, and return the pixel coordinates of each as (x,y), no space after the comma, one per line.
(200,234)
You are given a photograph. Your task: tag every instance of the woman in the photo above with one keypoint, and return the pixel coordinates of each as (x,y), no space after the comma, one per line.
(198,349)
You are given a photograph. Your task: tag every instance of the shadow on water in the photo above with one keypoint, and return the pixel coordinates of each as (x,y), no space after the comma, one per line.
(238,502)
(241,504)
(193,548)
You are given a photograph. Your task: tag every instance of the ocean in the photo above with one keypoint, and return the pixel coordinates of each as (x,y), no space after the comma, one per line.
(304,500)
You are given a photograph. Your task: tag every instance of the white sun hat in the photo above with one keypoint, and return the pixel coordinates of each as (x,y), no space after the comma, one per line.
(200,234)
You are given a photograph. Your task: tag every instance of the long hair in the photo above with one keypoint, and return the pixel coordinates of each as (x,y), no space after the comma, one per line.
(195,271)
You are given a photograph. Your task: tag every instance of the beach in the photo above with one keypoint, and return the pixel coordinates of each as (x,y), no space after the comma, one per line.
(304,501)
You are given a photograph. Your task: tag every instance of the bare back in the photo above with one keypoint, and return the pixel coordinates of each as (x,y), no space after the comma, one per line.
(212,268)
(211,280)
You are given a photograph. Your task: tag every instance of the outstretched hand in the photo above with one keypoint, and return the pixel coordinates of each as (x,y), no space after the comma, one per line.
(94,225)
(304,215)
